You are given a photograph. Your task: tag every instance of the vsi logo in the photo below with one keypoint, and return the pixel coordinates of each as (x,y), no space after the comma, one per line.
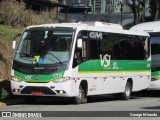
(28,77)
(105,60)
(95,35)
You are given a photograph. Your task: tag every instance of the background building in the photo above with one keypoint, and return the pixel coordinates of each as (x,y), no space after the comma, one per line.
(103,6)
(99,6)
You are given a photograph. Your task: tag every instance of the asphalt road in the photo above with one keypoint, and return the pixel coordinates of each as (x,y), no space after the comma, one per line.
(101,107)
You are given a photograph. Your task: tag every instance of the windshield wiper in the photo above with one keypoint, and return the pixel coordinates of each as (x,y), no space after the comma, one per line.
(25,54)
(55,57)
(51,54)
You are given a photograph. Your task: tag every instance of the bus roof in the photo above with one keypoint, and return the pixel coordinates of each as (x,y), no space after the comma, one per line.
(103,24)
(147,27)
(96,23)
(98,26)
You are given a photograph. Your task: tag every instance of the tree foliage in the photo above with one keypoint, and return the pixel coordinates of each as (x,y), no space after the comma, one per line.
(138,9)
(14,13)
(155,9)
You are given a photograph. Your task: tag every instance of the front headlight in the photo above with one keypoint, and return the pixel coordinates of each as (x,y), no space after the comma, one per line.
(16,79)
(60,80)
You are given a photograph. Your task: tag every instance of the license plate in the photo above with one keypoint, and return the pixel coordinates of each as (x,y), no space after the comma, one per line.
(37,93)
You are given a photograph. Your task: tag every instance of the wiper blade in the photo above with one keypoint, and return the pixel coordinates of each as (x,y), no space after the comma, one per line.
(55,57)
(25,54)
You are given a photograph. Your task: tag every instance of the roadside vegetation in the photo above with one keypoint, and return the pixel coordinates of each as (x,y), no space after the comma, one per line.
(6,53)
(14,13)
(7,34)
(14,17)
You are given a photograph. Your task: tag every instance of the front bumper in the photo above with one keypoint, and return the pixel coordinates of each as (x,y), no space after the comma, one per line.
(42,89)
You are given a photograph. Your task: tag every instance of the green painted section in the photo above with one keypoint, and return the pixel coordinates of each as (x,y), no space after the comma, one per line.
(93,66)
(155,74)
(38,77)
(115,66)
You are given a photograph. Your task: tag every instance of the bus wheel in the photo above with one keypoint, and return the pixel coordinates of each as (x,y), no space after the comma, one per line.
(127,92)
(81,98)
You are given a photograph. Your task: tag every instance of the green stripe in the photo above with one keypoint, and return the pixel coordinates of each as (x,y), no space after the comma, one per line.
(41,77)
(115,66)
(100,72)
(155,74)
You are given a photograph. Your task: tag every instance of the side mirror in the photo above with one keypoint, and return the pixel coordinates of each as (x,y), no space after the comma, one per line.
(14,41)
(14,45)
(79,43)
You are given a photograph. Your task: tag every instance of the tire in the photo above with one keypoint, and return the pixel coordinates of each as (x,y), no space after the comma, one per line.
(81,98)
(126,95)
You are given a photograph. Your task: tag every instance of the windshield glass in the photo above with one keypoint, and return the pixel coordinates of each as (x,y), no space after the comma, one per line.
(44,46)
(155,51)
(155,45)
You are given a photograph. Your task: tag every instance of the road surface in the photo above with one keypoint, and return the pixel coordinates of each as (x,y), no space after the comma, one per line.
(101,107)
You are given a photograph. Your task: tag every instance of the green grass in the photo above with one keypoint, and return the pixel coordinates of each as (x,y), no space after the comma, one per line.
(7,33)
(4,94)
(6,37)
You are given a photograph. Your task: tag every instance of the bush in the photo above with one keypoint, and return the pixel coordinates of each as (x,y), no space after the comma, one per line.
(5,60)
(14,13)
(7,34)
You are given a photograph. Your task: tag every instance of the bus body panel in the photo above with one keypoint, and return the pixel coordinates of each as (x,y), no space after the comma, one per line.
(103,74)
(154,31)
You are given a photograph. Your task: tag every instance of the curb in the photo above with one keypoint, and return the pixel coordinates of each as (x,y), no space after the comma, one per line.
(2,104)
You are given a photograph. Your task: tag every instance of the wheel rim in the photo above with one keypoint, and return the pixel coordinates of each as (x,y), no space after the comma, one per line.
(127,91)
(80,94)
(79,97)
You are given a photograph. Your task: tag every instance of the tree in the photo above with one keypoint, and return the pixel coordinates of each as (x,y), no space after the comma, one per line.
(15,13)
(152,9)
(157,15)
(138,9)
(155,9)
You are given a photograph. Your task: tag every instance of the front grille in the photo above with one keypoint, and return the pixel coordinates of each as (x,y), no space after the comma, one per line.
(45,90)
(29,70)
(34,69)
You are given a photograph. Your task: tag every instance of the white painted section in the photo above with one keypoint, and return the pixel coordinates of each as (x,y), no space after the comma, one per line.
(99,83)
